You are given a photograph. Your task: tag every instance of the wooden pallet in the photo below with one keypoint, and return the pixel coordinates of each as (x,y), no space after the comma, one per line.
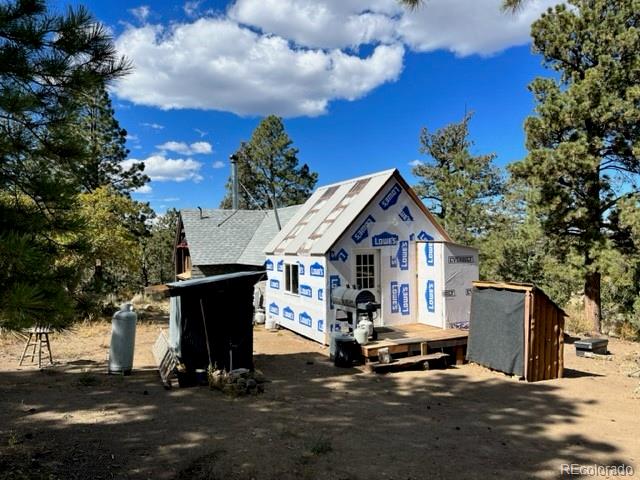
(417,339)
(406,363)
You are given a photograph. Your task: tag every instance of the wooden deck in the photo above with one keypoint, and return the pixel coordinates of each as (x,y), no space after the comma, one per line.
(417,339)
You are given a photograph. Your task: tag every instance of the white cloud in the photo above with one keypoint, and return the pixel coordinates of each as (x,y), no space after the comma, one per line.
(293,57)
(469,27)
(191,8)
(218,164)
(322,23)
(416,162)
(184,148)
(162,169)
(234,69)
(141,12)
(154,126)
(144,189)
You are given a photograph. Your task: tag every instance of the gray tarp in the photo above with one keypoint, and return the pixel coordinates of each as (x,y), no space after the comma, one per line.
(496,330)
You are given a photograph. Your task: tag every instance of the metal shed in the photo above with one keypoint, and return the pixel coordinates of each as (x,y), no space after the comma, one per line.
(211,321)
(517,329)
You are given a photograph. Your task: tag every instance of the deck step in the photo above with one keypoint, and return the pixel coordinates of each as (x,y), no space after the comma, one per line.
(408,362)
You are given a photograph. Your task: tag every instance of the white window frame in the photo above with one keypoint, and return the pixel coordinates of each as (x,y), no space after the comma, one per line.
(291,278)
(371,277)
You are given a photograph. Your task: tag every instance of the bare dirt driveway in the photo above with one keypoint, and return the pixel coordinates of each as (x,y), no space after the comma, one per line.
(313,422)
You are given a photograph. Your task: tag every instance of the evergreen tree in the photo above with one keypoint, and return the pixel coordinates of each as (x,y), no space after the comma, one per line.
(46,61)
(459,187)
(157,262)
(268,170)
(105,143)
(584,141)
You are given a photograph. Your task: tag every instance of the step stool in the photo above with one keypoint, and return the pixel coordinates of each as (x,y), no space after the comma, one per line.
(38,336)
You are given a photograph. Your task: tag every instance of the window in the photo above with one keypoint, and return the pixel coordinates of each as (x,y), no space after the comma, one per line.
(365,270)
(291,278)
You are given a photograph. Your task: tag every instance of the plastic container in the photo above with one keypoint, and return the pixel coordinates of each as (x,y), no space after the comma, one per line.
(335,337)
(347,352)
(123,340)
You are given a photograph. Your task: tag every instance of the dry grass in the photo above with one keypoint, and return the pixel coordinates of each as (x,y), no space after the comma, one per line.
(576,322)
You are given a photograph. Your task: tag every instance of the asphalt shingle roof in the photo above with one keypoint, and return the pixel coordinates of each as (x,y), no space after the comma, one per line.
(226,237)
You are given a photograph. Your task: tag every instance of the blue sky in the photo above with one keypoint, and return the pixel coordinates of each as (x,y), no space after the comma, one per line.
(356,80)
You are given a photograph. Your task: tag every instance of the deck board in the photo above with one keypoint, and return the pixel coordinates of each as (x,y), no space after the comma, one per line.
(406,338)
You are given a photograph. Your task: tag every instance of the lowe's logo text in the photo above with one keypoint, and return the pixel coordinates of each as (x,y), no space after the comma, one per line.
(390,198)
(342,255)
(430,296)
(268,265)
(384,239)
(287,313)
(395,306)
(404,299)
(281,265)
(304,319)
(273,308)
(316,270)
(305,291)
(363,230)
(275,284)
(430,254)
(405,215)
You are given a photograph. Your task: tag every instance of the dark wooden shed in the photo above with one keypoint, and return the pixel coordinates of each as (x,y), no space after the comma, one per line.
(517,329)
(211,321)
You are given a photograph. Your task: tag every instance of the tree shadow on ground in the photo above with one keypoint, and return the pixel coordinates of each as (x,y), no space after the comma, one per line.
(314,421)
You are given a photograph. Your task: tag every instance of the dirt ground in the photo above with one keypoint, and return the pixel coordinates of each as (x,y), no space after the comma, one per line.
(314,421)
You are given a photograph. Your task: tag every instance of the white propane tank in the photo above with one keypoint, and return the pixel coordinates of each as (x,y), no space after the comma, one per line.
(361,334)
(366,323)
(270,323)
(259,317)
(123,340)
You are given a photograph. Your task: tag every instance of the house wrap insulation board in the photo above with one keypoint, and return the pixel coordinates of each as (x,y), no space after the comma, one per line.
(445,276)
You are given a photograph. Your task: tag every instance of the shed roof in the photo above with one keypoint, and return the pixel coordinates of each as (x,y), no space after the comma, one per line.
(222,237)
(331,210)
(176,288)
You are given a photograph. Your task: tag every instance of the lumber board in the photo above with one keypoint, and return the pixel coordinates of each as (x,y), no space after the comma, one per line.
(532,341)
(406,362)
(527,328)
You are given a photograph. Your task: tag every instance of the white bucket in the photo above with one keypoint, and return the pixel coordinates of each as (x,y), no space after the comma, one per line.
(270,323)
(259,317)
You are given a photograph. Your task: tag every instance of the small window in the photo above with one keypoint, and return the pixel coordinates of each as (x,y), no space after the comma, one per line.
(291,278)
(365,271)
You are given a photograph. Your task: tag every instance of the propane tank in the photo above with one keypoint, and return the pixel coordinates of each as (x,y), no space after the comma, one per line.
(123,340)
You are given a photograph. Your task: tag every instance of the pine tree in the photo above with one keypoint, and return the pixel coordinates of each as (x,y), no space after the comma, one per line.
(584,139)
(459,187)
(105,143)
(268,169)
(46,60)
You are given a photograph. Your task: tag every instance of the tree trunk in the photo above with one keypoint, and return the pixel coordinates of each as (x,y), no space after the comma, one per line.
(592,300)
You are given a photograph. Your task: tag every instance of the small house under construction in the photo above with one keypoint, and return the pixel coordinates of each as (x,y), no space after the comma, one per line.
(369,241)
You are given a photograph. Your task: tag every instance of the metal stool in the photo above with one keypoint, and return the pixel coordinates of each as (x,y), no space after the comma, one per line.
(38,336)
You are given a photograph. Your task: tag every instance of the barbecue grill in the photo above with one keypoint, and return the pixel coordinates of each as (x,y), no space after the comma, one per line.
(355,302)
